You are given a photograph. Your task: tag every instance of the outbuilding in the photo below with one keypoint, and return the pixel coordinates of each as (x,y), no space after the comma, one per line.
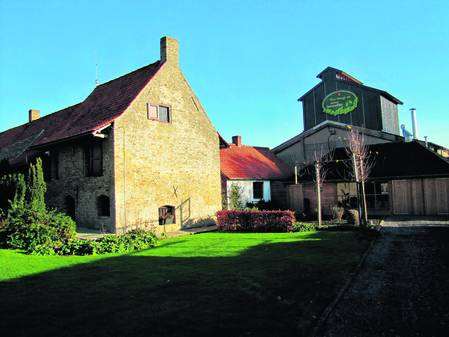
(256,171)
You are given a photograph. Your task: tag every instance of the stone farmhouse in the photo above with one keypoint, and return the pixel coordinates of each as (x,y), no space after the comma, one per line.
(139,150)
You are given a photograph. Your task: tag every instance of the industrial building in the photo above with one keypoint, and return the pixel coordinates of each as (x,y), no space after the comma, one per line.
(409,176)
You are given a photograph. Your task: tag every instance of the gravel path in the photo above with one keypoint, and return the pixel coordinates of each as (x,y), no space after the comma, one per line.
(402,288)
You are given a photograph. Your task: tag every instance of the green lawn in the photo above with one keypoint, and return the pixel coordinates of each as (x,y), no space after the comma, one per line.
(209,284)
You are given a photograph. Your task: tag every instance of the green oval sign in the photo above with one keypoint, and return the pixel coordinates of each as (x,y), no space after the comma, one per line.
(339,102)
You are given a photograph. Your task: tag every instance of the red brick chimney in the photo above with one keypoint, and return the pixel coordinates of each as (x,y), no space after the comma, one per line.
(237,140)
(33,114)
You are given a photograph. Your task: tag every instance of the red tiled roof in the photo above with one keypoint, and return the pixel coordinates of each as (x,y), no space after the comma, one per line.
(106,102)
(250,162)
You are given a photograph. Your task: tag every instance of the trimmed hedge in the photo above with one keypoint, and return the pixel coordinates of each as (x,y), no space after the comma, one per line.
(255,221)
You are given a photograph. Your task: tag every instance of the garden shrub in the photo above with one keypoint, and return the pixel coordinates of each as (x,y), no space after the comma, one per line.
(255,221)
(27,224)
(36,232)
(79,247)
(337,213)
(304,226)
(261,205)
(134,240)
(235,198)
(353,217)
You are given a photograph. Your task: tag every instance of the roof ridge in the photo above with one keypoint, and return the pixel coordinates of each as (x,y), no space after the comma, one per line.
(433,152)
(40,118)
(127,74)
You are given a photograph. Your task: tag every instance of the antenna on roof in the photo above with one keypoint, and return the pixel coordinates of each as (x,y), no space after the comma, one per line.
(97,81)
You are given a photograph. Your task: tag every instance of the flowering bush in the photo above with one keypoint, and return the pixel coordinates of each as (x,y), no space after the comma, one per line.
(255,221)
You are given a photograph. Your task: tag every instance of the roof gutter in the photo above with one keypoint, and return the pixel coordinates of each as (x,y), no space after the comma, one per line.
(95,133)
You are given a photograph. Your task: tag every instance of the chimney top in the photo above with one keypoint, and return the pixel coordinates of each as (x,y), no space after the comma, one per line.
(237,140)
(414,123)
(33,114)
(169,50)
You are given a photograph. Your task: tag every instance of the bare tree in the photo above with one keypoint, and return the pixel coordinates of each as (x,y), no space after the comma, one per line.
(321,160)
(362,163)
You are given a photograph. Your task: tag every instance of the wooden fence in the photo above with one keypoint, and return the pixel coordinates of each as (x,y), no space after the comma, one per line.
(428,196)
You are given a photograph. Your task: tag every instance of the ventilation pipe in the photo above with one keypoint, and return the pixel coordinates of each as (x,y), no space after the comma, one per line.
(414,123)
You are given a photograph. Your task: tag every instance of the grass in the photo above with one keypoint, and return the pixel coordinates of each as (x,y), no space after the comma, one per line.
(222,284)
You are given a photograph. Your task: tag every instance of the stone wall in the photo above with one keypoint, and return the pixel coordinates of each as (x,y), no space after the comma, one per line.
(84,190)
(157,163)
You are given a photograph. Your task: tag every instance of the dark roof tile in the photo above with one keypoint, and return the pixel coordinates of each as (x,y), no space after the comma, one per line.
(106,102)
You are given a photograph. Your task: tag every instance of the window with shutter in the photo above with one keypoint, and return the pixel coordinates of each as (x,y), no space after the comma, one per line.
(152,111)
(93,159)
(164,113)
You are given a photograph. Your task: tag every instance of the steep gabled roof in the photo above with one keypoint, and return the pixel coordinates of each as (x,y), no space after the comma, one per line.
(106,102)
(351,80)
(251,162)
(340,72)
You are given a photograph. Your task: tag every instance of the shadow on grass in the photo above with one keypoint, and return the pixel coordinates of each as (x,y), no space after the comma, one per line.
(272,289)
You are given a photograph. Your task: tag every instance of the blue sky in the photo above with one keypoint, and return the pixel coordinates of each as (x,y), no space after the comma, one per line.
(248,61)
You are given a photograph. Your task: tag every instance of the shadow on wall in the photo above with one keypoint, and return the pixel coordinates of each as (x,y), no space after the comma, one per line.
(201,222)
(264,290)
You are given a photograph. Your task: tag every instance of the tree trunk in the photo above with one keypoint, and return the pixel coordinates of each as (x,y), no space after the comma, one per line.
(318,192)
(365,209)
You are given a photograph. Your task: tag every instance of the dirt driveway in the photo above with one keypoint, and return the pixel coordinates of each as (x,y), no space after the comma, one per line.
(403,286)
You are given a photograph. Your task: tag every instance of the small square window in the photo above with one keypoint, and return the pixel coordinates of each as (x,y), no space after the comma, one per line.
(258,190)
(164,113)
(152,111)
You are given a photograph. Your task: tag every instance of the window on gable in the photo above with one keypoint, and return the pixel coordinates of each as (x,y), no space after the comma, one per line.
(258,190)
(93,160)
(152,111)
(160,113)
(167,215)
(103,206)
(164,113)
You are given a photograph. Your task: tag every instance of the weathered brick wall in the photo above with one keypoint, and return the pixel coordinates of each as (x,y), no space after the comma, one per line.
(159,164)
(85,190)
